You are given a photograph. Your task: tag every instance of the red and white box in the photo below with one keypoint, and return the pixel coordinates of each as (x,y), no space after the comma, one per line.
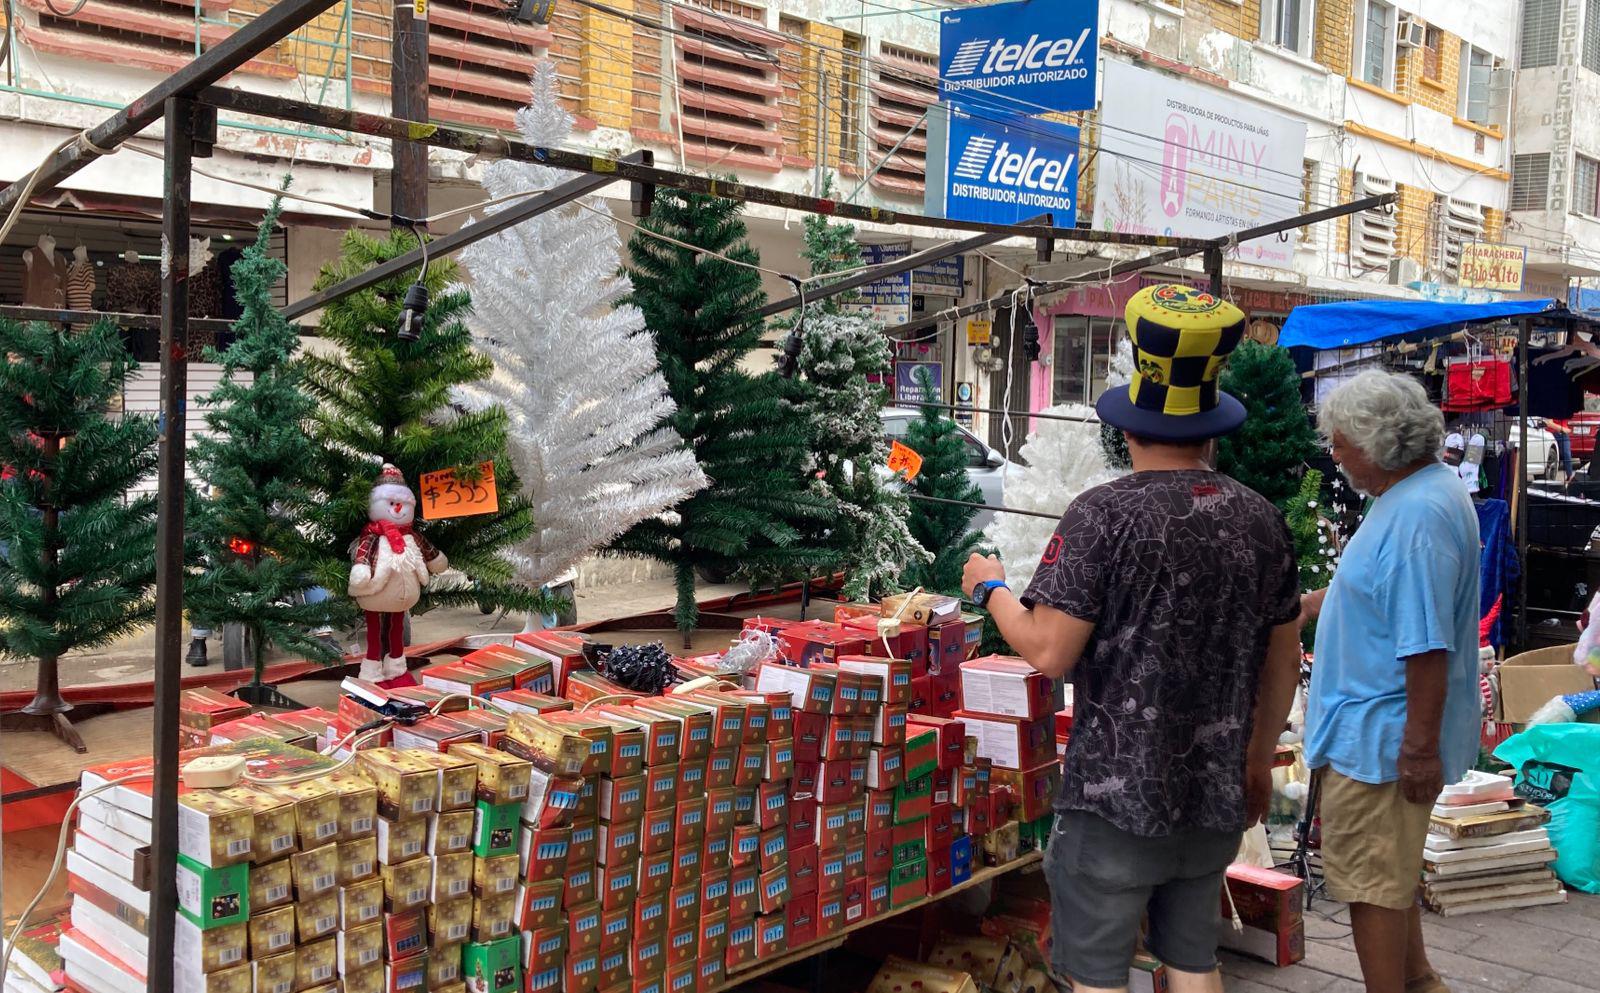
(1006,686)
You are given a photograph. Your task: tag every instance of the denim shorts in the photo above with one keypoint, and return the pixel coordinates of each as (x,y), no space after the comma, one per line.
(1103,881)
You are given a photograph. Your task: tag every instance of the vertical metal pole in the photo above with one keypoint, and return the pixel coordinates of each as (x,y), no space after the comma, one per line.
(1524,331)
(180,122)
(408,87)
(1214,270)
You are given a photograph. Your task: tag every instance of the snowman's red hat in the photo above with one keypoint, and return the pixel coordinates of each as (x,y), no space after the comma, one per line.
(391,486)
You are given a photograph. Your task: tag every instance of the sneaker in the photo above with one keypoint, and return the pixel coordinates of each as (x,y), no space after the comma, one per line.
(197,653)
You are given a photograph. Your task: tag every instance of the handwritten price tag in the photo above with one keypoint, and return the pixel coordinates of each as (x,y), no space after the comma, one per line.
(904,460)
(443,495)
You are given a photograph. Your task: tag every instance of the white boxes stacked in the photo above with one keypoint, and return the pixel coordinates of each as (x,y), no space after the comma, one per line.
(1488,850)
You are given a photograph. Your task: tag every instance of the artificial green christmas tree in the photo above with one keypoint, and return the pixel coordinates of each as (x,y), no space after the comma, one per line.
(1315,547)
(77,567)
(844,360)
(744,429)
(257,468)
(384,399)
(942,529)
(1268,452)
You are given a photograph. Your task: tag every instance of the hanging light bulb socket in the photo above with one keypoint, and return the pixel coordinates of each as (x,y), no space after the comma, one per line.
(415,306)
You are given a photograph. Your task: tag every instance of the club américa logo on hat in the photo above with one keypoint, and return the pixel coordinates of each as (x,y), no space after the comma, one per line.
(1181,339)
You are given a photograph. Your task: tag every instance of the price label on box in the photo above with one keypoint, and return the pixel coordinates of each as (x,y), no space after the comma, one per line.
(446,495)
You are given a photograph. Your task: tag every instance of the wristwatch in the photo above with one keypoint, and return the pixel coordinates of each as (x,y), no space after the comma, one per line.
(981,592)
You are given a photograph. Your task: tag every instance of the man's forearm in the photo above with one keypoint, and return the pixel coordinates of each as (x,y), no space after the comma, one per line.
(1427,680)
(1021,630)
(1280,673)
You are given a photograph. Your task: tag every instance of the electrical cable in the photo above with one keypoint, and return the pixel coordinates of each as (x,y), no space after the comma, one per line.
(76,7)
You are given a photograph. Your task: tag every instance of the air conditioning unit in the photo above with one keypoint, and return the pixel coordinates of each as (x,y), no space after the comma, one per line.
(1404,271)
(1410,32)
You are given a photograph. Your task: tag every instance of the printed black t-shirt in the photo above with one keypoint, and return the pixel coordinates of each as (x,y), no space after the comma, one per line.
(1184,575)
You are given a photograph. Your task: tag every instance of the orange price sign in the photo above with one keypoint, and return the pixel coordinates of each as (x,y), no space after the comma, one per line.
(445,495)
(904,460)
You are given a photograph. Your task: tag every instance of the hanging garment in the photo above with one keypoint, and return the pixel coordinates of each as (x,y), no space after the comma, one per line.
(80,285)
(1498,564)
(133,288)
(1552,390)
(1478,384)
(42,279)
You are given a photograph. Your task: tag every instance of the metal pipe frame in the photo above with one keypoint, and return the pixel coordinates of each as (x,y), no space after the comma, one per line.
(476,231)
(495,146)
(1149,261)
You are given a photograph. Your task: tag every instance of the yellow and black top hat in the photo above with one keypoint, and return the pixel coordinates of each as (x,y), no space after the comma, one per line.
(1181,340)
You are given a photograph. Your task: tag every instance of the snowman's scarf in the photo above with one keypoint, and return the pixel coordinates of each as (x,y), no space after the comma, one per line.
(396,533)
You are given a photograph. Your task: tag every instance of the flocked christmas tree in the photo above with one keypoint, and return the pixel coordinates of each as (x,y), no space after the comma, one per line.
(78,565)
(574,368)
(1060,459)
(257,469)
(1269,450)
(1316,546)
(943,529)
(383,399)
(845,359)
(1112,444)
(745,433)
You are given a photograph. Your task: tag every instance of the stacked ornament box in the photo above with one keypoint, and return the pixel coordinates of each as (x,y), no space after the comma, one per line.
(1488,850)
(36,965)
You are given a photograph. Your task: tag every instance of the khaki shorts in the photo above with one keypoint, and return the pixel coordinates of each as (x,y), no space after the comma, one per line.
(1372,841)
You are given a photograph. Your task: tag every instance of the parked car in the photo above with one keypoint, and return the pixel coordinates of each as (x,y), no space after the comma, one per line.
(1544,458)
(1585,426)
(985,466)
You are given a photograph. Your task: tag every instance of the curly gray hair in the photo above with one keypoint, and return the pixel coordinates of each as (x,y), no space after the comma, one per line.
(1387,416)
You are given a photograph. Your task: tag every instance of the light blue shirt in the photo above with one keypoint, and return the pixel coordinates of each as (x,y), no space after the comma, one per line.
(1407,584)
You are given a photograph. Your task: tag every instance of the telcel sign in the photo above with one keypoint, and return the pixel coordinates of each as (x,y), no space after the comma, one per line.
(1004,168)
(1033,55)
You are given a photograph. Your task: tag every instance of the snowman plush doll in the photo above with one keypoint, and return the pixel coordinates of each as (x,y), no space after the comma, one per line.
(391,565)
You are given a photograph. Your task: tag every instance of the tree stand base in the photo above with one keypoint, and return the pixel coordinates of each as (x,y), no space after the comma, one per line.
(262,695)
(55,723)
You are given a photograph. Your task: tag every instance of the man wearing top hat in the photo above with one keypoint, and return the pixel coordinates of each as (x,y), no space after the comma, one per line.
(1170,597)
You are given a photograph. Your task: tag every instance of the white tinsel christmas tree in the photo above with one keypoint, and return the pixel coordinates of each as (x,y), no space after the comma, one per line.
(575,372)
(1063,459)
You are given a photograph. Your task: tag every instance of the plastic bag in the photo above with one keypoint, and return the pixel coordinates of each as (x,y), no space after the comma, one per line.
(1558,767)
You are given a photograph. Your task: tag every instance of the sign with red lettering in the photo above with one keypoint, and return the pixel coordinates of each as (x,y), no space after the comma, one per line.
(1486,265)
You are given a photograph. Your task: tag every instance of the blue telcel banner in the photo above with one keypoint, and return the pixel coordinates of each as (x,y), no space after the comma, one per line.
(1030,56)
(1004,168)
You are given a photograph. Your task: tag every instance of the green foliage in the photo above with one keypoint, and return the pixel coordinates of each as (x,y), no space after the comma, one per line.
(79,563)
(381,399)
(942,529)
(1114,445)
(259,467)
(1314,549)
(744,429)
(1277,438)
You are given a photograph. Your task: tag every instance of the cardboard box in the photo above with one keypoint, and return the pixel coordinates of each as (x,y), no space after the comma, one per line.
(273,832)
(204,708)
(830,870)
(722,768)
(433,734)
(274,974)
(771,934)
(272,932)
(947,648)
(361,903)
(360,948)
(1034,789)
(650,916)
(492,966)
(450,832)
(833,826)
(921,751)
(922,608)
(840,780)
(583,885)
(809,732)
(744,883)
(683,945)
(621,799)
(619,886)
(910,843)
(545,948)
(213,898)
(774,848)
(810,691)
(588,808)
(681,978)
(444,966)
(1012,742)
(751,762)
(877,895)
(692,777)
(543,852)
(879,809)
(685,866)
(939,870)
(908,883)
(502,777)
(449,922)
(402,841)
(316,963)
(715,887)
(939,827)
(689,819)
(741,943)
(491,916)
(802,821)
(552,800)
(913,800)
(1264,898)
(495,829)
(649,956)
(889,725)
(1279,948)
(598,729)
(538,905)
(555,749)
(358,860)
(885,768)
(214,830)
(317,917)
(658,830)
(613,968)
(772,804)
(315,872)
(494,876)
(408,884)
(1532,679)
(407,786)
(271,885)
(690,723)
(950,738)
(547,980)
(1007,686)
(452,875)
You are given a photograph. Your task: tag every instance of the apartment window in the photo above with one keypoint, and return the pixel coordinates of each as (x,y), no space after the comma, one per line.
(1591,35)
(1082,356)
(1477,70)
(1287,23)
(1373,232)
(1586,186)
(1541,28)
(1377,44)
(1530,181)
(850,107)
(1432,43)
(904,84)
(1457,222)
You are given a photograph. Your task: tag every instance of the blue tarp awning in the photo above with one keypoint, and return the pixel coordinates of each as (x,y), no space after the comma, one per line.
(1357,322)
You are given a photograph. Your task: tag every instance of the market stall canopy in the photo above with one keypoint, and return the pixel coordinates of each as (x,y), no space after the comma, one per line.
(1357,322)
